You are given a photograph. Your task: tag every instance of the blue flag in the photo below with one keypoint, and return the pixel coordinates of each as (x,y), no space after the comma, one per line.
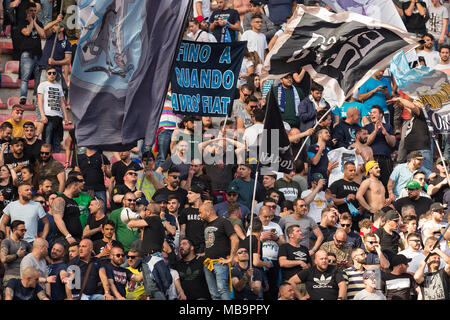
(122,67)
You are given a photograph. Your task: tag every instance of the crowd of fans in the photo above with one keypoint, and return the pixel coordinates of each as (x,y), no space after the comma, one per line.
(358,217)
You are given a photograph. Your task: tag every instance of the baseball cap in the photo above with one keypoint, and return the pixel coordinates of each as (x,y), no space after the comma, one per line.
(399,259)
(200,18)
(369,274)
(232,188)
(316,176)
(415,155)
(142,200)
(436,206)
(370,165)
(391,215)
(439,161)
(413,185)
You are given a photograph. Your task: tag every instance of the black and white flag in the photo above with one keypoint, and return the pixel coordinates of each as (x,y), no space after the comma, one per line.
(340,51)
(275,150)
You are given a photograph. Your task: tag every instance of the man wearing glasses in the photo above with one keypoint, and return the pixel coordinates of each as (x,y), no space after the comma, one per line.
(375,258)
(52,109)
(51,168)
(436,225)
(239,112)
(173,187)
(339,247)
(125,235)
(135,290)
(129,185)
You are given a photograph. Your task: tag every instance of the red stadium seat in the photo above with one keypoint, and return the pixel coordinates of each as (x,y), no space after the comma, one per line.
(12,66)
(4,117)
(31,117)
(6,47)
(8,82)
(61,157)
(3,106)
(15,100)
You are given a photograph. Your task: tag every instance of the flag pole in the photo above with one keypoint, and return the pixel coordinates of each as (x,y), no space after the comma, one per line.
(250,227)
(315,126)
(57,32)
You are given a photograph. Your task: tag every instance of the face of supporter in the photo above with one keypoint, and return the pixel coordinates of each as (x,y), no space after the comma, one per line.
(244,172)
(346,225)
(257,82)
(275,196)
(17,115)
(428,42)
(301,207)
(46,187)
(350,171)
(193,27)
(73,252)
(287,81)
(31,281)
(339,240)
(317,95)
(254,8)
(6,134)
(265,216)
(41,200)
(4,172)
(108,231)
(193,197)
(268,181)
(256,24)
(420,178)
(414,194)
(242,254)
(330,218)
(182,147)
(57,252)
(129,201)
(297,234)
(18,147)
(272,206)
(324,135)
(360,256)
(117,256)
(25,192)
(20,231)
(51,75)
(287,292)
(85,249)
(184,248)
(124,155)
(94,206)
(232,197)
(438,215)
(326,122)
(244,94)
(414,242)
(220,4)
(375,115)
(321,260)
(46,153)
(174,179)
(173,205)
(130,177)
(376,171)
(362,136)
(379,74)
(444,54)
(29,132)
(434,261)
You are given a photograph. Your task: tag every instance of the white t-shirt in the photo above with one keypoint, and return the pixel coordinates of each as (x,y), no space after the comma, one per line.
(444,68)
(269,247)
(206,8)
(409,253)
(251,134)
(431,58)
(30,261)
(317,205)
(414,265)
(431,224)
(342,155)
(255,42)
(244,67)
(52,93)
(202,36)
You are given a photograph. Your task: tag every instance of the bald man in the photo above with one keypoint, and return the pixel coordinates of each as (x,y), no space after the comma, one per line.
(221,243)
(323,281)
(26,288)
(345,131)
(340,248)
(79,266)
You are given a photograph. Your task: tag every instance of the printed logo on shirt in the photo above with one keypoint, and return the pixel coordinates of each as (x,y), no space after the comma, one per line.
(210,236)
(322,282)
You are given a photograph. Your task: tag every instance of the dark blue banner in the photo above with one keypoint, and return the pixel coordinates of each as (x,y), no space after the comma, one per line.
(205,77)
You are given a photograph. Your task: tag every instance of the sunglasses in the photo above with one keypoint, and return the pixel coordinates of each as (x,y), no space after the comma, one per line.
(242,251)
(345,225)
(132,173)
(130,200)
(373,242)
(302,205)
(331,261)
(414,240)
(175,177)
(119,255)
(340,241)
(272,207)
(19,112)
(41,201)
(131,257)
(51,73)
(45,153)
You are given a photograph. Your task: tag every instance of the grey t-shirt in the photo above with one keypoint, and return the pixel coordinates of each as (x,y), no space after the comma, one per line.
(306,224)
(239,111)
(366,295)
(30,261)
(436,21)
(11,247)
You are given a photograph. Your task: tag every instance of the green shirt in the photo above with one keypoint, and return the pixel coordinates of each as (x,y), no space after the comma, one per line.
(123,234)
(83,201)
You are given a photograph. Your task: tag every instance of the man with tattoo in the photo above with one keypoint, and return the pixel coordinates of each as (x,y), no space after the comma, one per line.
(13,249)
(66,213)
(26,288)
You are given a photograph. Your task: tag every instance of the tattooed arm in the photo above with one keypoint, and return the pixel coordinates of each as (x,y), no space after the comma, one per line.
(9,293)
(57,208)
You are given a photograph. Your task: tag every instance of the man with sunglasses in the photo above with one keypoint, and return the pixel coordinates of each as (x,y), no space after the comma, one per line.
(232,196)
(125,235)
(389,237)
(246,280)
(118,277)
(173,187)
(51,168)
(239,107)
(135,290)
(339,247)
(375,258)
(436,225)
(52,109)
(129,185)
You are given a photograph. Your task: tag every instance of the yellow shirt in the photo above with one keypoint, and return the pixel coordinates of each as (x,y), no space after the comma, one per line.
(18,131)
(135,290)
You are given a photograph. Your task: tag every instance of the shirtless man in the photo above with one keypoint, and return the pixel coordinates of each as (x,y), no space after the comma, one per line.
(361,146)
(372,189)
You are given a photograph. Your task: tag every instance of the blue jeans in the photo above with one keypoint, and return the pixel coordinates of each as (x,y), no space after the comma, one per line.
(45,15)
(52,136)
(218,281)
(164,138)
(446,143)
(428,158)
(28,67)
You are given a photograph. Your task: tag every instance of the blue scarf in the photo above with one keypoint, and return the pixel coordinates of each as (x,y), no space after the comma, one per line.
(282,97)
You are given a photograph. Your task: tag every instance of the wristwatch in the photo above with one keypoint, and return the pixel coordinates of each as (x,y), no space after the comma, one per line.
(68,236)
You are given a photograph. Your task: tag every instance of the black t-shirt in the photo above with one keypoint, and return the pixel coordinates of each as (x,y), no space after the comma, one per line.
(439,196)
(31,43)
(26,160)
(342,188)
(91,167)
(21,293)
(419,137)
(422,205)
(33,150)
(194,227)
(57,288)
(401,287)
(230,15)
(154,235)
(93,279)
(99,245)
(121,189)
(293,253)
(71,219)
(221,175)
(93,224)
(322,285)
(246,293)
(328,233)
(435,286)
(118,170)
(217,238)
(9,193)
(120,277)
(180,193)
(21,10)
(415,22)
(388,242)
(192,279)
